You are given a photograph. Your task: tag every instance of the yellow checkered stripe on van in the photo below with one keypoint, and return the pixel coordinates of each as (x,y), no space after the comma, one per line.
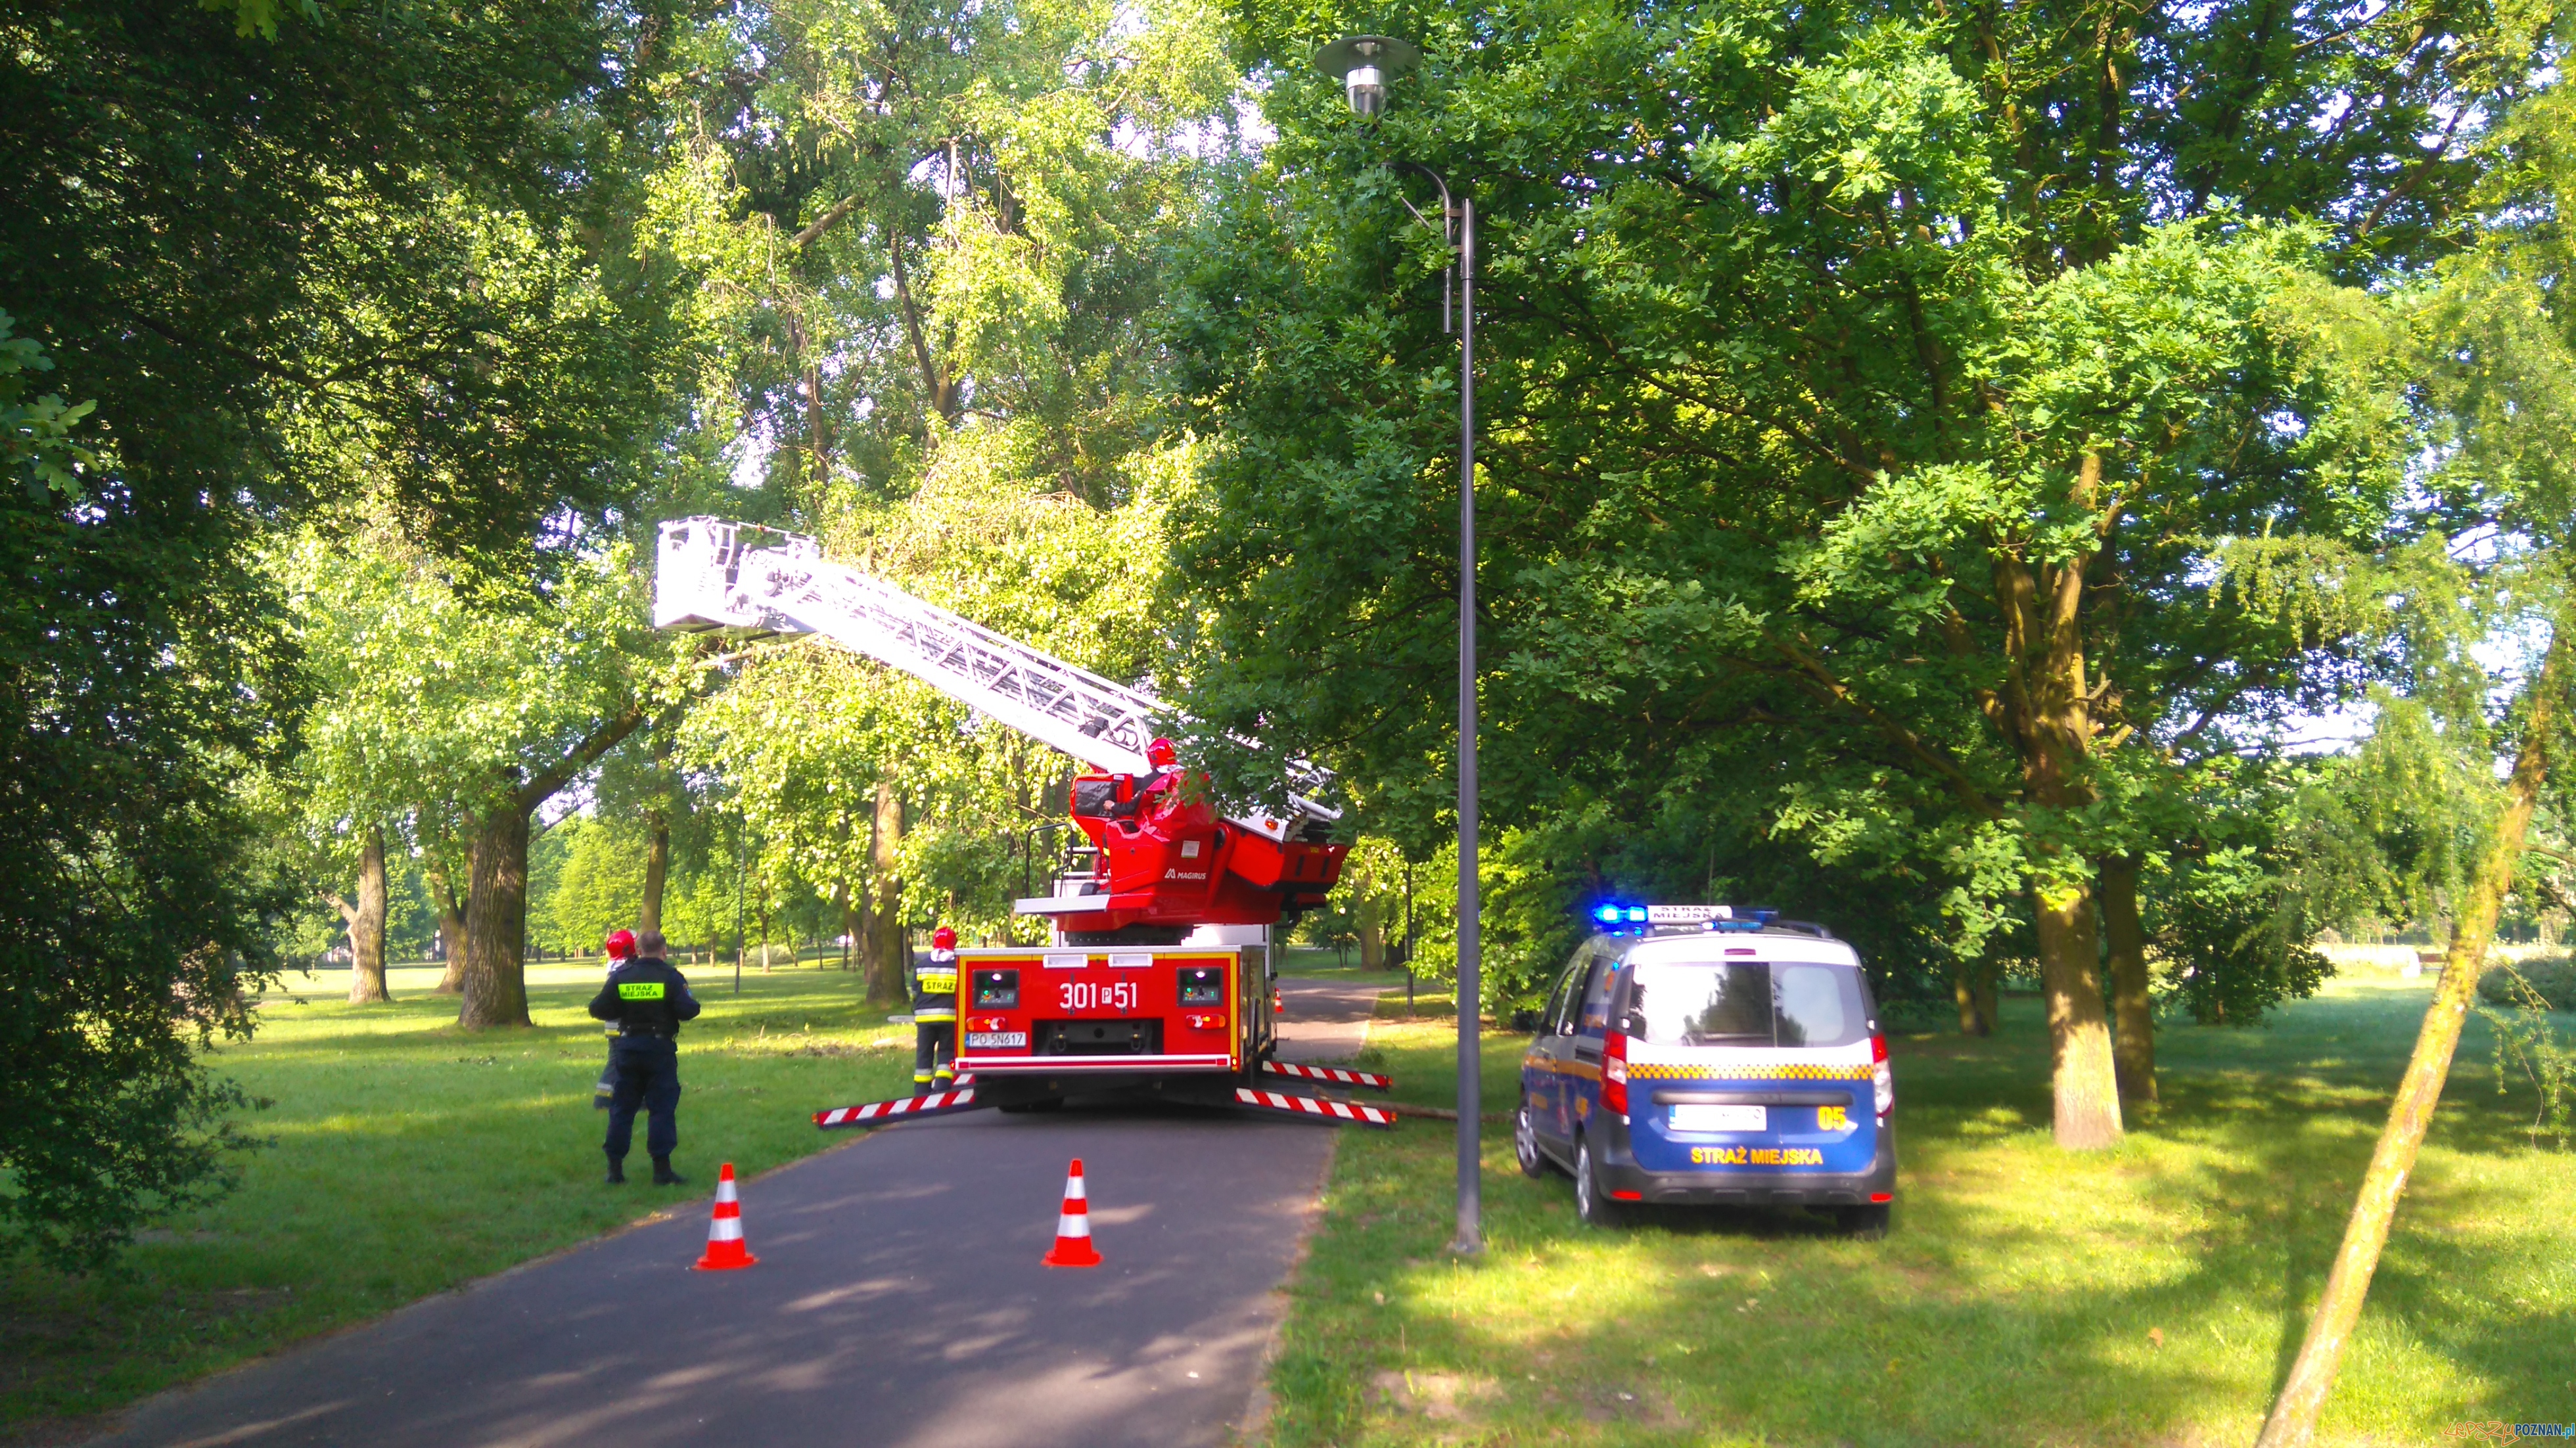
(1786,1071)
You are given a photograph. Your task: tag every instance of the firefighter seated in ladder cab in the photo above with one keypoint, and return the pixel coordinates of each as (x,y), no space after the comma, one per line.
(1152,793)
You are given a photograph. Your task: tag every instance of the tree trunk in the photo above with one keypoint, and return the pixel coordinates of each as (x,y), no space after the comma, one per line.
(451,929)
(2049,712)
(657,823)
(1372,935)
(2312,1373)
(2133,1022)
(885,923)
(496,922)
(2079,1040)
(496,903)
(843,903)
(657,872)
(1972,986)
(367,925)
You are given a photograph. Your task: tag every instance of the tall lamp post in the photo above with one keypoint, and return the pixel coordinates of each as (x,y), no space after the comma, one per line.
(1362,64)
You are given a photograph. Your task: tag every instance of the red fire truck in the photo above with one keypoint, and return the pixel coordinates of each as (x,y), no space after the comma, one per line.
(1160,975)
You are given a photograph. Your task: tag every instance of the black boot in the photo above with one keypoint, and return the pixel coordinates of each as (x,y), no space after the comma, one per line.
(617,1171)
(663,1176)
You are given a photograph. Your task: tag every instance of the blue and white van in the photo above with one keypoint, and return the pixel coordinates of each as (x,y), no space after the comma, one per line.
(1689,1054)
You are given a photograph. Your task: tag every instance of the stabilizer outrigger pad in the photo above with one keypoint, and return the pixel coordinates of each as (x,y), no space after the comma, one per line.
(1338,1075)
(937,1103)
(1314,1107)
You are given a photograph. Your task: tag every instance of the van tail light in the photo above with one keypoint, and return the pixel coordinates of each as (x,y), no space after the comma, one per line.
(1614,1074)
(1881,1078)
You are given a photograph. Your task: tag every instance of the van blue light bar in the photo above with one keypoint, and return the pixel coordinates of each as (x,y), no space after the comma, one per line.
(1616,914)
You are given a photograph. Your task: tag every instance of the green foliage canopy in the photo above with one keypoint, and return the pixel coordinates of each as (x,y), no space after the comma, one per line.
(1869,401)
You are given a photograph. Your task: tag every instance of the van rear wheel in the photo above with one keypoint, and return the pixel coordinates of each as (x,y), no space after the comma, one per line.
(1591,1200)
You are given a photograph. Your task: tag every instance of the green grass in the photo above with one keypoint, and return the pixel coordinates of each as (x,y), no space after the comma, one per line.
(2151,1294)
(1316,962)
(408,1157)
(2146,1295)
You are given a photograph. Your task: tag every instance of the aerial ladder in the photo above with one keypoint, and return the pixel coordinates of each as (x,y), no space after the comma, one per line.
(1158,971)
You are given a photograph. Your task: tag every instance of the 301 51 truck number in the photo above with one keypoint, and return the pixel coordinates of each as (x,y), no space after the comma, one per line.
(1087,995)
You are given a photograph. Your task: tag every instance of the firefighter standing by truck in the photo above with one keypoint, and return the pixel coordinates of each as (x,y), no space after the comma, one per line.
(647,999)
(934,1015)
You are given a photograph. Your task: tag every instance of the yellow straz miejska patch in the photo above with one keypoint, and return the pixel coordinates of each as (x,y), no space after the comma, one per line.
(639,990)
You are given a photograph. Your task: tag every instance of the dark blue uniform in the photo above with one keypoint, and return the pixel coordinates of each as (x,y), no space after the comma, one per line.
(648,1000)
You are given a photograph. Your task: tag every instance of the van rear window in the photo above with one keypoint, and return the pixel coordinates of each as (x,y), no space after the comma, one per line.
(1743,1003)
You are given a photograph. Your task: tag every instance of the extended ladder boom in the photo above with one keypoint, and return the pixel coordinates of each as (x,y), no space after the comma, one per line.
(711,577)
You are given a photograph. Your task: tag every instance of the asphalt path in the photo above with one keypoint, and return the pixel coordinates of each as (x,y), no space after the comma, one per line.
(898,1301)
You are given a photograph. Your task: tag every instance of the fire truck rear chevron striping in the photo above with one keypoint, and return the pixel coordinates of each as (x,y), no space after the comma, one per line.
(1159,974)
(1315,1106)
(1335,1074)
(937,1103)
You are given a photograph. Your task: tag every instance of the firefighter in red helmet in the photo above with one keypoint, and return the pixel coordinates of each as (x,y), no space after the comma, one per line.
(619,945)
(934,1015)
(1154,790)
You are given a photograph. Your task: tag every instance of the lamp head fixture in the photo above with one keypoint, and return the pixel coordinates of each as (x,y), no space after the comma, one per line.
(1362,63)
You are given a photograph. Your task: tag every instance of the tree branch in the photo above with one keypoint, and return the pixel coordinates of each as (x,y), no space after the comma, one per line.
(1821,681)
(942,393)
(823,223)
(602,739)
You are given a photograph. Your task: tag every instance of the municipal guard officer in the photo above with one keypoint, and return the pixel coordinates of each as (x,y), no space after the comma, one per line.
(647,1000)
(934,1016)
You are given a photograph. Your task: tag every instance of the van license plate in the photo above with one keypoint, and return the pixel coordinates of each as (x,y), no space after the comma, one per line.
(995,1040)
(1720,1118)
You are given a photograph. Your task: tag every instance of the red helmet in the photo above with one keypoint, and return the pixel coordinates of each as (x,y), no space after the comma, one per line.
(620,944)
(1159,754)
(943,939)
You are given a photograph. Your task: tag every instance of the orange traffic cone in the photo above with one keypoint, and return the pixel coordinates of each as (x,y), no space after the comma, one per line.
(724,1233)
(1073,1226)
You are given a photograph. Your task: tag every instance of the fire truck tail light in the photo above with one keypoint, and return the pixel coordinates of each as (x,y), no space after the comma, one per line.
(1204,1021)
